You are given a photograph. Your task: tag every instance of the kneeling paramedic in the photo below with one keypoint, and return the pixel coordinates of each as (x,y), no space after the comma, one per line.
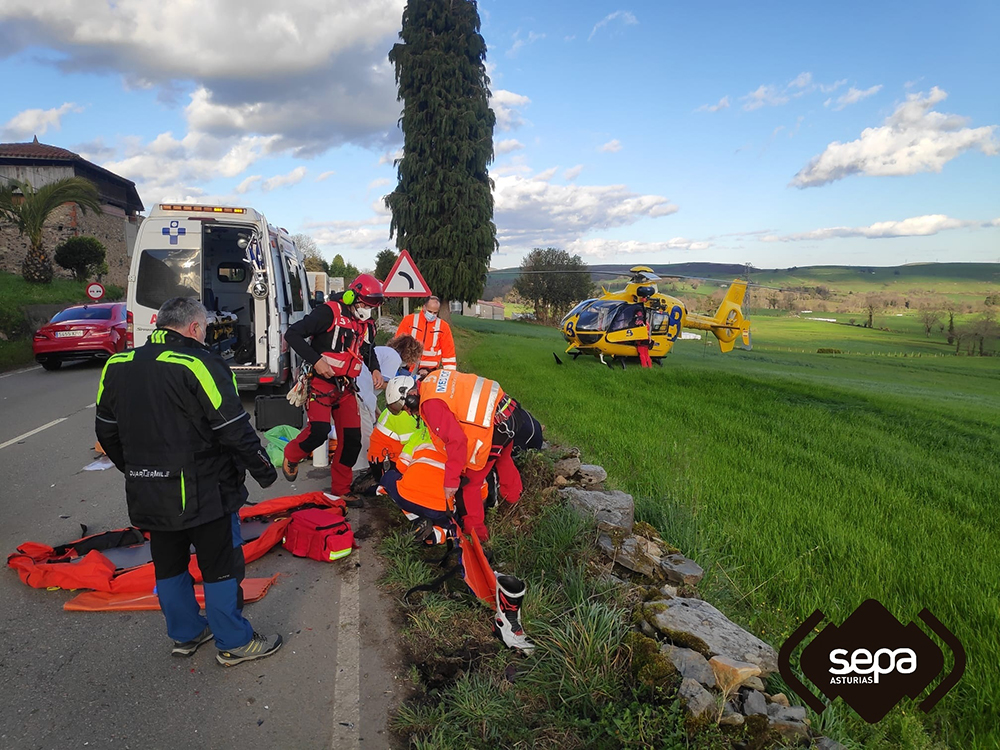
(340,331)
(170,418)
(473,422)
(416,485)
(393,429)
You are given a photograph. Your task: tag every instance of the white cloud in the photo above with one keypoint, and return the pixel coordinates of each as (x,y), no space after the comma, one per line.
(284,180)
(770,95)
(168,169)
(32,122)
(572,173)
(917,226)
(367,234)
(324,81)
(852,96)
(520,41)
(506,146)
(913,139)
(531,211)
(626,17)
(611,147)
(379,182)
(723,104)
(547,175)
(763,96)
(390,157)
(603,248)
(326,175)
(248,183)
(506,106)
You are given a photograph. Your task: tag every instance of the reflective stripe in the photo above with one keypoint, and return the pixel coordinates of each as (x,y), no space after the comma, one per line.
(477,391)
(388,433)
(491,404)
(437,333)
(479,445)
(113,359)
(403,437)
(184,501)
(201,372)
(234,419)
(429,462)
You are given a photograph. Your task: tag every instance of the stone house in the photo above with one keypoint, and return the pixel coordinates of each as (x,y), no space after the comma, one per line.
(116,227)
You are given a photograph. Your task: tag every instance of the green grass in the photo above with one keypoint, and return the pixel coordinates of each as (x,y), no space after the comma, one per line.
(16,293)
(802,481)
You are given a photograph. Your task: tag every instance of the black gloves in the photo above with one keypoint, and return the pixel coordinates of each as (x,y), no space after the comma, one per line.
(262,470)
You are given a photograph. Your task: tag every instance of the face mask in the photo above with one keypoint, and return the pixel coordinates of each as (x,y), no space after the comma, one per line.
(363,313)
(430,316)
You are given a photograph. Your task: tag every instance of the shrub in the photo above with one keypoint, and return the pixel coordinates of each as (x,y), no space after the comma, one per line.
(81,255)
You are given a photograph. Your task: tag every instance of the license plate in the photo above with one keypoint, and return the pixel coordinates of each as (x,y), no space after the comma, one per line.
(68,334)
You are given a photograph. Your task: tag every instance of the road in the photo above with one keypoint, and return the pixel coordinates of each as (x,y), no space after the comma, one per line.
(107,680)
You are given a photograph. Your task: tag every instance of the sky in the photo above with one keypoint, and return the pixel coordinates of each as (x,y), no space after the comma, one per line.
(774,133)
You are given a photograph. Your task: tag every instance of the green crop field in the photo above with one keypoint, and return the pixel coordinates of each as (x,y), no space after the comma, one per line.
(802,481)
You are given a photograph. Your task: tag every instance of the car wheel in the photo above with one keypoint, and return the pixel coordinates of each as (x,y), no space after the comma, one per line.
(52,364)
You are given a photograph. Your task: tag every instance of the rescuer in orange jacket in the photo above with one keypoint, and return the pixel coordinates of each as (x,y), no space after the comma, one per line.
(473,422)
(433,333)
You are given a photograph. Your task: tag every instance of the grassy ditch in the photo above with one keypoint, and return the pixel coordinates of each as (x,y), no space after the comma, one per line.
(589,683)
(801,481)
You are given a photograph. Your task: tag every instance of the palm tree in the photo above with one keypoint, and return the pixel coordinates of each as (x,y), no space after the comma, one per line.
(28,210)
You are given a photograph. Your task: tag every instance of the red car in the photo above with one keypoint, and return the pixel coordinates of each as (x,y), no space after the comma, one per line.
(81,332)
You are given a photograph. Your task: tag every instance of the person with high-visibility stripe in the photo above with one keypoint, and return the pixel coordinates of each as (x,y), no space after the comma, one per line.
(473,422)
(393,428)
(434,335)
(417,486)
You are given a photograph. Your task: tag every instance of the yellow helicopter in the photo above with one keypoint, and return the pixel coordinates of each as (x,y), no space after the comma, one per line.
(640,322)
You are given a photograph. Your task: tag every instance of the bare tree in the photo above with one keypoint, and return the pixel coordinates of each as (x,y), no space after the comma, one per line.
(929,318)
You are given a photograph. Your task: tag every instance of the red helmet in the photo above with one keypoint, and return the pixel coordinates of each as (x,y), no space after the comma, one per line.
(367,290)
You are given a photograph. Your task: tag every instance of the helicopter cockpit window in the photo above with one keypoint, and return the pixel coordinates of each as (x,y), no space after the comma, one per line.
(659,321)
(628,316)
(599,315)
(576,309)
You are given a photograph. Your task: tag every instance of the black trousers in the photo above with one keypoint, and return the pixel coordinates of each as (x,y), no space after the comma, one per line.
(218,558)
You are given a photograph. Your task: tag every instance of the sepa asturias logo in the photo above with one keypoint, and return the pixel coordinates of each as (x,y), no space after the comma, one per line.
(872,661)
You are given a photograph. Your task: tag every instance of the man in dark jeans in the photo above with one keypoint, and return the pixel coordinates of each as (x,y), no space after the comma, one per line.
(170,418)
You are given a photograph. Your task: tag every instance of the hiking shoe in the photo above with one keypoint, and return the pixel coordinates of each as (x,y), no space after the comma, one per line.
(290,469)
(353,501)
(258,647)
(189,647)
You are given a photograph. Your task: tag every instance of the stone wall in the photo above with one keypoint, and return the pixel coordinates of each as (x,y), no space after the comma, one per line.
(116,232)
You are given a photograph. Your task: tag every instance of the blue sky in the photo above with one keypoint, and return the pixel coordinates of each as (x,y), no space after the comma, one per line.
(779,134)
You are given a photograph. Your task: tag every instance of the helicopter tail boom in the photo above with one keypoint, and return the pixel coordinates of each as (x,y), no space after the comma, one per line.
(728,323)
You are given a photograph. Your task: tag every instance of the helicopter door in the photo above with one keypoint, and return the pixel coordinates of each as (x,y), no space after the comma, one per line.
(629,325)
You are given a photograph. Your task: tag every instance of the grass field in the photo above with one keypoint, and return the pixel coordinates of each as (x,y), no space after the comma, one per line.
(802,481)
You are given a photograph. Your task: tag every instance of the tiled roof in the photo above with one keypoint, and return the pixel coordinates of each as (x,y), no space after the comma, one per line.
(36,150)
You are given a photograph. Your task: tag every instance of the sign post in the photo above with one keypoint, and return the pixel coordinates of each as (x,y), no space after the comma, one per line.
(404,280)
(95,291)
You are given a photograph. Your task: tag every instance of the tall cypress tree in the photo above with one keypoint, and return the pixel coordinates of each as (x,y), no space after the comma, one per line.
(442,208)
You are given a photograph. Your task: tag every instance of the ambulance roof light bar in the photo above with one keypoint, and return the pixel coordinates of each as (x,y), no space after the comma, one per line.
(206,209)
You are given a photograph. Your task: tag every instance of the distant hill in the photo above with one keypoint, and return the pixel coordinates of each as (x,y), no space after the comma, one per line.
(954,279)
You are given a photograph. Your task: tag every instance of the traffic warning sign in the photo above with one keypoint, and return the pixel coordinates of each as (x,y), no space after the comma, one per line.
(404,280)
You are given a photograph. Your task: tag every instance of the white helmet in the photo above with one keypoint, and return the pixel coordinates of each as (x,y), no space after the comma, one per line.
(397,388)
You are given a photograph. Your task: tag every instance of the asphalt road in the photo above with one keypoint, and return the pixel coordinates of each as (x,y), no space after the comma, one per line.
(107,680)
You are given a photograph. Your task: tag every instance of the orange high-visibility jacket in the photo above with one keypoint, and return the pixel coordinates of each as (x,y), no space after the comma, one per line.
(390,435)
(436,338)
(473,401)
(423,467)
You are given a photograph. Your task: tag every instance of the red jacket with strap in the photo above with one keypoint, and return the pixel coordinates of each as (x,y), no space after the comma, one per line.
(336,334)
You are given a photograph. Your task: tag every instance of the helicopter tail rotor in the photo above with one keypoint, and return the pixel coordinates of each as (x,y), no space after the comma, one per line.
(729,324)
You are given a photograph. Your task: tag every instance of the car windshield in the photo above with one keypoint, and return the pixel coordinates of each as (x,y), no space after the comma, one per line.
(83,313)
(597,316)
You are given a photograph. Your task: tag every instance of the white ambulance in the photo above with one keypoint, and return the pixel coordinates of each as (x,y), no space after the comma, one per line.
(249,275)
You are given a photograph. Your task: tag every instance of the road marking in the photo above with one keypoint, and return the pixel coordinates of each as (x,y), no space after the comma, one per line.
(35,431)
(18,372)
(347,683)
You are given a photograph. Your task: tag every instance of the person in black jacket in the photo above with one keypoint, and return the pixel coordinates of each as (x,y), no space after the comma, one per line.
(170,418)
(340,333)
